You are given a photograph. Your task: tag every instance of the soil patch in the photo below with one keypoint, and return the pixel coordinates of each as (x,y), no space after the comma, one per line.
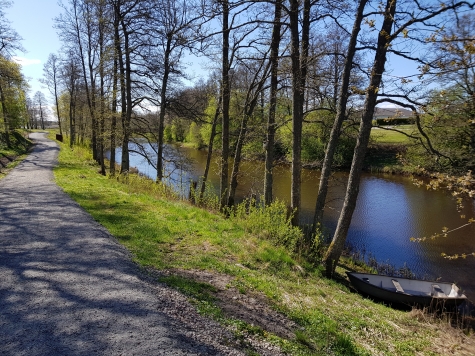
(250,307)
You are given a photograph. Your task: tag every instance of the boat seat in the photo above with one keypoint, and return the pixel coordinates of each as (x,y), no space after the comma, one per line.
(398,286)
(437,292)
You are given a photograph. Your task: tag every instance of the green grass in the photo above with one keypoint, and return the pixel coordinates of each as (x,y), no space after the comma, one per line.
(11,156)
(165,233)
(380,135)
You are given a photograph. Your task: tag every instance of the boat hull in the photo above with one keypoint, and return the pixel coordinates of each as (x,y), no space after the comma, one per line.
(407,291)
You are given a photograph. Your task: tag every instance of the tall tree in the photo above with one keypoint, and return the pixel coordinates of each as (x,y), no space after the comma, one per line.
(70,76)
(299,48)
(253,92)
(51,74)
(10,41)
(41,103)
(170,35)
(226,97)
(386,37)
(271,122)
(12,96)
(340,116)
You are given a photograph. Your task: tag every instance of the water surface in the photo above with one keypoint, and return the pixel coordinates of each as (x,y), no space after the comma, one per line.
(390,210)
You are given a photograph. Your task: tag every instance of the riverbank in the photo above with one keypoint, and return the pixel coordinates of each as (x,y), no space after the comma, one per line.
(232,269)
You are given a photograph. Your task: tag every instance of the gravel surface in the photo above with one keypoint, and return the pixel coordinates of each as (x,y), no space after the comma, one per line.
(68,288)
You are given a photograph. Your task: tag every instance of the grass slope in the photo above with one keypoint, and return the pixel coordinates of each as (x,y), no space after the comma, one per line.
(13,155)
(167,234)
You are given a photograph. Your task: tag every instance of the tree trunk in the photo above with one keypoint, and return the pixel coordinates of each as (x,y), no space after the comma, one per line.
(226,95)
(42,117)
(336,247)
(89,95)
(115,79)
(163,104)
(56,99)
(210,149)
(271,129)
(299,73)
(124,89)
(72,109)
(297,113)
(340,117)
(250,105)
(102,90)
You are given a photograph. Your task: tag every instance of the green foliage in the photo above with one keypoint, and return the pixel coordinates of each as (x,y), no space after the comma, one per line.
(194,136)
(205,128)
(167,133)
(19,143)
(394,121)
(178,131)
(11,156)
(313,149)
(13,97)
(450,125)
(253,147)
(269,222)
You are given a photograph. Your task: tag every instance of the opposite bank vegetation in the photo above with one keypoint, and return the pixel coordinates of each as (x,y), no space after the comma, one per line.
(258,250)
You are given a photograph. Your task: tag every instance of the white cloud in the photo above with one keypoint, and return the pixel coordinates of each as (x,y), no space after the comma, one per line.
(26,61)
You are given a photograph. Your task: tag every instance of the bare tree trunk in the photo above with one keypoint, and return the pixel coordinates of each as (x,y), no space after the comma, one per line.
(296,112)
(340,116)
(101,137)
(299,73)
(336,247)
(271,129)
(72,108)
(250,105)
(55,82)
(115,78)
(210,149)
(42,117)
(163,104)
(124,89)
(226,95)
(89,95)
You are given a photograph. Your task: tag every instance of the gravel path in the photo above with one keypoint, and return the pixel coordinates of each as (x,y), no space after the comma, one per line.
(68,288)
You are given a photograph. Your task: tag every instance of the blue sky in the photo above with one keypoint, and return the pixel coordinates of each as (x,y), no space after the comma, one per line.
(33,20)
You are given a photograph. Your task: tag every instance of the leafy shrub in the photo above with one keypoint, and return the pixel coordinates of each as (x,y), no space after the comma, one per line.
(269,222)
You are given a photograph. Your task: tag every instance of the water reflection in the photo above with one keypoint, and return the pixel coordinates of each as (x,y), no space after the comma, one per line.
(390,210)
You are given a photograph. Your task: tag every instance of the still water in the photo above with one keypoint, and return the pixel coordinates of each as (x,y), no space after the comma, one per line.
(390,210)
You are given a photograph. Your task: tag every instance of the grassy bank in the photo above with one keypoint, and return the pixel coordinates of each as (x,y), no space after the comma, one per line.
(190,248)
(11,156)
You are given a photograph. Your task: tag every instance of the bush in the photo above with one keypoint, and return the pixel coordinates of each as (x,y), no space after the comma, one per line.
(269,222)
(395,121)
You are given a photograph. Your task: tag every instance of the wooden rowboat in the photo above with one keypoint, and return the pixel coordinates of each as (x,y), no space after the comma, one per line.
(407,291)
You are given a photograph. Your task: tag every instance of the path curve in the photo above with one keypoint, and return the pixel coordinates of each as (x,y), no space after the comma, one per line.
(68,288)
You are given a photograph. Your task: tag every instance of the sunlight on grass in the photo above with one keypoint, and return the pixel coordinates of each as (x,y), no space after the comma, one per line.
(380,135)
(169,234)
